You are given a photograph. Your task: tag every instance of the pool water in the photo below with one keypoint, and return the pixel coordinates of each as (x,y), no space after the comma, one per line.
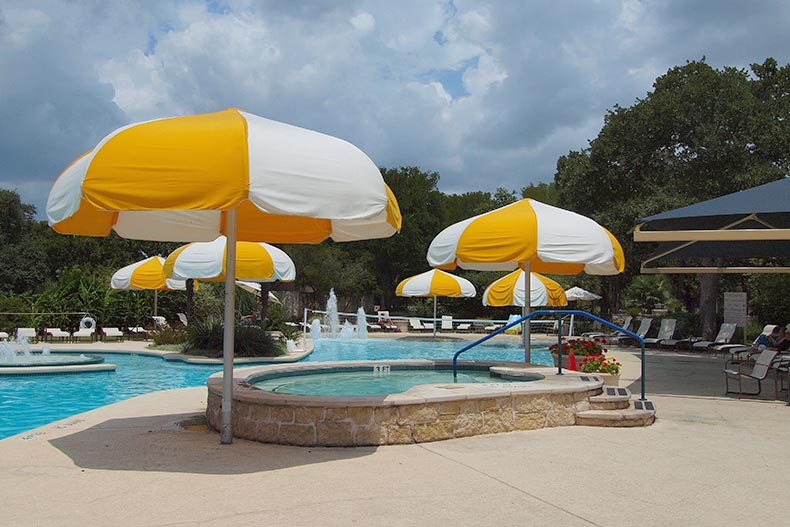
(30,401)
(368,382)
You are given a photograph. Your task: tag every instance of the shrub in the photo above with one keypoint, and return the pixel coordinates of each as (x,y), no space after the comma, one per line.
(599,364)
(162,336)
(206,337)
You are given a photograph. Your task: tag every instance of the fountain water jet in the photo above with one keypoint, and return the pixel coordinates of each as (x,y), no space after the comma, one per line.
(315,329)
(362,324)
(332,318)
(348,330)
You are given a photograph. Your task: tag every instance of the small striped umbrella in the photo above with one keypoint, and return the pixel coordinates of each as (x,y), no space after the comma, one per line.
(435,283)
(509,291)
(146,274)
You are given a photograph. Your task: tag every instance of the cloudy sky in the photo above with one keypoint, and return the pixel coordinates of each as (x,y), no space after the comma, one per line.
(487,93)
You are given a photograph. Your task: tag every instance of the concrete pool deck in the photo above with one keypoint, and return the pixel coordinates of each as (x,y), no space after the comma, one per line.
(707,460)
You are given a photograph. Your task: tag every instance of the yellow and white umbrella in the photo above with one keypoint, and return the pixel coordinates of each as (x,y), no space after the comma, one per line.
(510,291)
(436,283)
(193,178)
(255,262)
(530,235)
(146,274)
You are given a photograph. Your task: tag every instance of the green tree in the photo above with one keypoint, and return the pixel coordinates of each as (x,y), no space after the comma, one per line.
(543,192)
(701,133)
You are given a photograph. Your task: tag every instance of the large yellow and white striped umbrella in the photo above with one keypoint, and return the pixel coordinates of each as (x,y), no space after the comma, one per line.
(255,262)
(196,177)
(510,291)
(530,235)
(551,240)
(435,283)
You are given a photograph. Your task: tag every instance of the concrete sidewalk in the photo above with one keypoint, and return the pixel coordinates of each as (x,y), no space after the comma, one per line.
(708,460)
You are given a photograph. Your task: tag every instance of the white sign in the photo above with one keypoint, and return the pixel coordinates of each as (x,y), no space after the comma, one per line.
(735,308)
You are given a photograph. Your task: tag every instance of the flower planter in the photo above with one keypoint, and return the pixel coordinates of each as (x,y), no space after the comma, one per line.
(609,379)
(566,360)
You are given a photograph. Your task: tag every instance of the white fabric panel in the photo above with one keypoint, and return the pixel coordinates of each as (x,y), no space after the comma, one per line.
(419,285)
(284,268)
(564,236)
(370,229)
(64,197)
(444,245)
(200,260)
(169,225)
(301,172)
(122,278)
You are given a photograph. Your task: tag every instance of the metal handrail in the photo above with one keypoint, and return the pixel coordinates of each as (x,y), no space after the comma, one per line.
(558,313)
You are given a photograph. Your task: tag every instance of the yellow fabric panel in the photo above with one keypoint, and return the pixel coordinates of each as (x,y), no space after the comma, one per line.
(501,291)
(196,162)
(444,285)
(505,235)
(87,221)
(539,266)
(253,262)
(399,289)
(254,225)
(554,291)
(619,255)
(394,217)
(170,262)
(149,276)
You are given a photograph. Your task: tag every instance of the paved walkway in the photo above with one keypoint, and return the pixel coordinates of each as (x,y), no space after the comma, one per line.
(708,460)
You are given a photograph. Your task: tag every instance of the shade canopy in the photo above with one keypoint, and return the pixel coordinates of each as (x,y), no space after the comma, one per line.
(510,291)
(550,239)
(229,173)
(731,230)
(436,283)
(145,274)
(255,262)
(175,179)
(577,293)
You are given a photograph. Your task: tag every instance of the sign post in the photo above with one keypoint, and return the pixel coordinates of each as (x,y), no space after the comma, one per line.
(735,310)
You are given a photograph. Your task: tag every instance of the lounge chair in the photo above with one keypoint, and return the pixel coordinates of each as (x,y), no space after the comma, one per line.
(758,372)
(138,331)
(416,325)
(726,332)
(464,326)
(27,333)
(491,328)
(644,327)
(385,322)
(447,323)
(3,335)
(373,327)
(182,318)
(87,333)
(613,335)
(115,333)
(665,332)
(55,333)
(160,322)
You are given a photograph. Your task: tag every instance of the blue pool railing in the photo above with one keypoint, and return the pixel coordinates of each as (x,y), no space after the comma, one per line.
(559,313)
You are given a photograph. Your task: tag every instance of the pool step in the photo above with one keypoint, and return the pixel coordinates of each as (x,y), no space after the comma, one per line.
(636,413)
(612,398)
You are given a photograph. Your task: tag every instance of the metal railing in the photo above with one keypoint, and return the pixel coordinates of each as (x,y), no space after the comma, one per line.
(559,313)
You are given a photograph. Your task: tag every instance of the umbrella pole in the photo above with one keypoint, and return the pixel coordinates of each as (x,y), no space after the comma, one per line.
(156,297)
(434,317)
(527,301)
(226,430)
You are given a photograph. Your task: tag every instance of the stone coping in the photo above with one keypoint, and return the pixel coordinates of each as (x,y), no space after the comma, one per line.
(45,370)
(551,383)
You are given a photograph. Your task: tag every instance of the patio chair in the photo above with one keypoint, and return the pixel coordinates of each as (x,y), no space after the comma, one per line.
(644,327)
(86,333)
(447,323)
(385,322)
(27,333)
(50,334)
(612,335)
(463,327)
(115,333)
(492,327)
(160,322)
(665,332)
(726,332)
(738,349)
(138,331)
(758,372)
(416,325)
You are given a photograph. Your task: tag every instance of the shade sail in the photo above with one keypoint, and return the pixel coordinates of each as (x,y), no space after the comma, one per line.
(550,239)
(229,173)
(510,291)
(435,283)
(145,274)
(731,230)
(175,179)
(255,262)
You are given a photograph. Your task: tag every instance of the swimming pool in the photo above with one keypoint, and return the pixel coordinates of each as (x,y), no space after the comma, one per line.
(28,402)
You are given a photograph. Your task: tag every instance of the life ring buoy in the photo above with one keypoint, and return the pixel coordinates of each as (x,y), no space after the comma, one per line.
(87,323)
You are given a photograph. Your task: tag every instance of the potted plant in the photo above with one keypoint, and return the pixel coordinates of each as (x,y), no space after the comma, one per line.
(605,367)
(579,347)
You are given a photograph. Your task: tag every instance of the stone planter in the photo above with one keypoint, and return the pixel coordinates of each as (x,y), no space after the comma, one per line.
(609,379)
(566,360)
